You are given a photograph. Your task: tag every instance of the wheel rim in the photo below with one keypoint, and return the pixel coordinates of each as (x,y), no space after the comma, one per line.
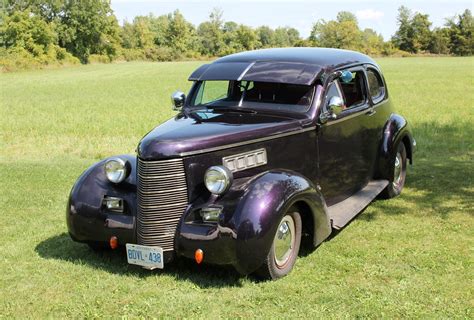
(284,241)
(397,172)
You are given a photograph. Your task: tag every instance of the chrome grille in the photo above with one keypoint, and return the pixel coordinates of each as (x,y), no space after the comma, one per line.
(162,198)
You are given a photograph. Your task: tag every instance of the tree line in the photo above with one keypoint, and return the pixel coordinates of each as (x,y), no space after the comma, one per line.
(42,32)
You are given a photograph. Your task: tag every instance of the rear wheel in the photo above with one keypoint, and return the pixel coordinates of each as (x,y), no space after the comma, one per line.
(285,247)
(399,172)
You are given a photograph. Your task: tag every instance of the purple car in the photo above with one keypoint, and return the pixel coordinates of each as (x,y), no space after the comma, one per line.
(270,150)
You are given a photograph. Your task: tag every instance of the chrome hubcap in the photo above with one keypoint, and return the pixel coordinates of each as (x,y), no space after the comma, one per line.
(284,241)
(397,172)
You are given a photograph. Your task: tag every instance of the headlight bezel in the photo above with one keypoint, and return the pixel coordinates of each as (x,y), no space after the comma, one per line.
(123,169)
(226,177)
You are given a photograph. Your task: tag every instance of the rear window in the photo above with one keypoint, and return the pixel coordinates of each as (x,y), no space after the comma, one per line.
(376,86)
(253,95)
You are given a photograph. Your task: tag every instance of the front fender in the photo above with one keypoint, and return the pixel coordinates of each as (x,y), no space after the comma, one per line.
(266,199)
(88,220)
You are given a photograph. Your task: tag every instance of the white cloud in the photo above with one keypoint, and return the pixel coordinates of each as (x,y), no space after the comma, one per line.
(369,14)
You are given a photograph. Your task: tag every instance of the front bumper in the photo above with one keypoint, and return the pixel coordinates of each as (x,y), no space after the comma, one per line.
(218,243)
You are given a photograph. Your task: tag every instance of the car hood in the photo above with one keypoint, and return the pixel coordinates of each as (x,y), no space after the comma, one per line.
(198,132)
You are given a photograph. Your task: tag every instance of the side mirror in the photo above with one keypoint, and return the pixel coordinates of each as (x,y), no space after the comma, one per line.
(334,108)
(177,99)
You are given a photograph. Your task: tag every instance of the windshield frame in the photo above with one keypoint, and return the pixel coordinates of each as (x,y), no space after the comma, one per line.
(193,93)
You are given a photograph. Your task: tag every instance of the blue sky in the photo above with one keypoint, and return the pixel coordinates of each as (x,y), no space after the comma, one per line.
(300,14)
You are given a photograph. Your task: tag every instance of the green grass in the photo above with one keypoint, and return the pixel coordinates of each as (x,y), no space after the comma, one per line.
(408,257)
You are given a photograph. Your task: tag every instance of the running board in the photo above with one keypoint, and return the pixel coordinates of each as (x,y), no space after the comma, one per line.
(343,212)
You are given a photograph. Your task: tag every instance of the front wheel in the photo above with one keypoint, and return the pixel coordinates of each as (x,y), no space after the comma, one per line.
(285,247)
(399,172)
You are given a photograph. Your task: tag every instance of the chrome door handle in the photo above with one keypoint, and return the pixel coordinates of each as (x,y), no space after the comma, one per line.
(371,112)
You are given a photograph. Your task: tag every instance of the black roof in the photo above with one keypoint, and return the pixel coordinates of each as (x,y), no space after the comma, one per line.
(324,57)
(282,65)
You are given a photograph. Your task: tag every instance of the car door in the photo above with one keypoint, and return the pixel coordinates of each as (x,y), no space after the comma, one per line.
(342,141)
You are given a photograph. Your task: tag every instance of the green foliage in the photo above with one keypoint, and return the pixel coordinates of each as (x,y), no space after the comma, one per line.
(27,31)
(285,37)
(461,32)
(439,43)
(28,41)
(265,36)
(414,34)
(89,27)
(343,33)
(41,32)
(179,33)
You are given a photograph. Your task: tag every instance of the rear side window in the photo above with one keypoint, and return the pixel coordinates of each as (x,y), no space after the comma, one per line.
(354,91)
(376,86)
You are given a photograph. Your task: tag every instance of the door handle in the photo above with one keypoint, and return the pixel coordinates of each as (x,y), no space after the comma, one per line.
(371,112)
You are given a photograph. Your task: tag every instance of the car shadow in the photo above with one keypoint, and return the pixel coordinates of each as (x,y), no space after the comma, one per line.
(61,247)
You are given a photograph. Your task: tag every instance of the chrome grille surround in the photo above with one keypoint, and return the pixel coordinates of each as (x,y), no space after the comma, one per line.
(162,198)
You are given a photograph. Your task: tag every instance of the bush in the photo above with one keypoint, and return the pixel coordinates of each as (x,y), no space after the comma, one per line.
(133,54)
(99,58)
(160,54)
(18,58)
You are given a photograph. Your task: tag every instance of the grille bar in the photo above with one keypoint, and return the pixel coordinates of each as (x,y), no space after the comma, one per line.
(162,198)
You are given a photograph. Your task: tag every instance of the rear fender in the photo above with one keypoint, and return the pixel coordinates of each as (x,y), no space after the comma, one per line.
(396,130)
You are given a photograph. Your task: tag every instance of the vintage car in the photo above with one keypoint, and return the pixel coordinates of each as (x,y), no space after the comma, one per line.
(270,150)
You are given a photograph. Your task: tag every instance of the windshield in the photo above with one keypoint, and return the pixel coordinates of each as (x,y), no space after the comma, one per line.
(253,95)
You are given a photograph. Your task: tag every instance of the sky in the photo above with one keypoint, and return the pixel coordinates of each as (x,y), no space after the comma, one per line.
(300,14)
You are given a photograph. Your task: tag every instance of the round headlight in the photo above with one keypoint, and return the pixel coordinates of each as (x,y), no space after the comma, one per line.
(218,179)
(116,169)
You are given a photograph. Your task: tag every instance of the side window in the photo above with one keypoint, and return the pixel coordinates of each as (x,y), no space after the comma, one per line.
(354,91)
(376,86)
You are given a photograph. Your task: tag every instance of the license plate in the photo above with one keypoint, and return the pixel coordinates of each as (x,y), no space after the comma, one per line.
(145,256)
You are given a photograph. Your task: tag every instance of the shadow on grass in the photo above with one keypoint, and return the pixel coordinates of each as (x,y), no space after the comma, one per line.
(61,247)
(441,178)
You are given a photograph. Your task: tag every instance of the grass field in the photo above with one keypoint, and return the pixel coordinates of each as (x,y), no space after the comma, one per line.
(408,257)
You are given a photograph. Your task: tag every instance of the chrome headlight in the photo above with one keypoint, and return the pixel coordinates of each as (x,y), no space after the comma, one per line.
(117,169)
(218,179)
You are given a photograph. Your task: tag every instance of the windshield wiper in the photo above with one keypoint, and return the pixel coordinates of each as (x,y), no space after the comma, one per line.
(232,109)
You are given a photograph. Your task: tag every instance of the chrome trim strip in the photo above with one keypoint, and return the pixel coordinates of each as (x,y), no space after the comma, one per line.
(245,71)
(364,109)
(238,144)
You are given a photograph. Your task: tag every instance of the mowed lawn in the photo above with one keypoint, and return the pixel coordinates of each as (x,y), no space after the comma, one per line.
(407,257)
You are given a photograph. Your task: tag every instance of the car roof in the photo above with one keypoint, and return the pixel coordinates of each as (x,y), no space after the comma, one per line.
(282,65)
(325,57)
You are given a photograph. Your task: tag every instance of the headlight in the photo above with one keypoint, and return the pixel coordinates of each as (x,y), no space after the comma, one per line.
(116,169)
(218,179)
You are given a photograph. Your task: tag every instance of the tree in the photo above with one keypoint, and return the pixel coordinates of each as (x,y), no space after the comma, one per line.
(265,36)
(403,36)
(413,34)
(89,27)
(372,42)
(461,31)
(343,33)
(179,33)
(246,37)
(439,42)
(346,16)
(24,30)
(421,33)
(211,34)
